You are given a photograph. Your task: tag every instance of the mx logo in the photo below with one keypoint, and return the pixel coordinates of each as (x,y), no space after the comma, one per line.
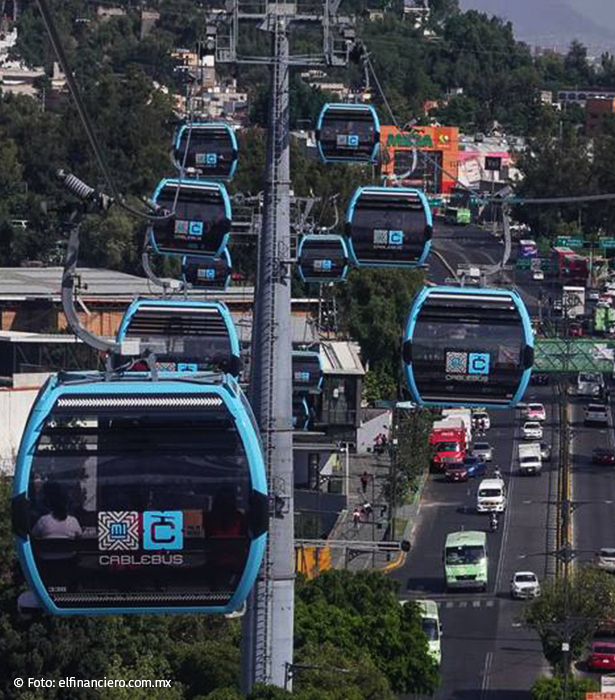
(478,363)
(323,265)
(209,159)
(163,529)
(181,226)
(353,140)
(207,274)
(457,362)
(118,530)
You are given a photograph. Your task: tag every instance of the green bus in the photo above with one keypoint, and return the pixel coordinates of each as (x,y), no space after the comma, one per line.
(465,560)
(457,215)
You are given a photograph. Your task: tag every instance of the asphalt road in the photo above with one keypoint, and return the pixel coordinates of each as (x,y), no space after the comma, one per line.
(486,653)
(593,487)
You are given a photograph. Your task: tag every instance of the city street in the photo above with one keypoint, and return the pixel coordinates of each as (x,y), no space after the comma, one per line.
(486,653)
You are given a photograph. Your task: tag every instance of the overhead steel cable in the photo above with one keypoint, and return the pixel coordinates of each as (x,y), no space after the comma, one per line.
(85,120)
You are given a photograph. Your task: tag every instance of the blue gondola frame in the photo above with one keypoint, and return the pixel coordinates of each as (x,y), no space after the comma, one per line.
(194,391)
(461,372)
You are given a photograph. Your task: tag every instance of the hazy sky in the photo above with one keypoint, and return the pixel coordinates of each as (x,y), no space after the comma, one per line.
(543,21)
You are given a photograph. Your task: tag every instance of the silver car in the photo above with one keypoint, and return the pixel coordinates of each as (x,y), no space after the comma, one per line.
(483,450)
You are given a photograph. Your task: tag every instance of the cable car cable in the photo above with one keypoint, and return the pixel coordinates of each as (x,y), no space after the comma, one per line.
(84,117)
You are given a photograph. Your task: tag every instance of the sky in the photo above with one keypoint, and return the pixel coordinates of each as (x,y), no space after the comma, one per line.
(557,22)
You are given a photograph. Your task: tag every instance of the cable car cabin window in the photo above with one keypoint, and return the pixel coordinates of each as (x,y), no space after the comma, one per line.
(322,259)
(201,224)
(212,273)
(385,229)
(307,372)
(212,150)
(348,133)
(148,508)
(184,336)
(463,354)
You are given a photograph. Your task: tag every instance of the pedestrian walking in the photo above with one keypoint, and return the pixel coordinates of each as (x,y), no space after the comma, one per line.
(365,478)
(356,517)
(366,511)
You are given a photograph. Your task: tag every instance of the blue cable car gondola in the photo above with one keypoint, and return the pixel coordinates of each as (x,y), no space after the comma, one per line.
(468,347)
(322,258)
(208,273)
(140,496)
(388,227)
(211,150)
(307,372)
(301,412)
(184,335)
(202,222)
(348,133)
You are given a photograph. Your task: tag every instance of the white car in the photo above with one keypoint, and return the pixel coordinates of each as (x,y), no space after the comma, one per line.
(531,430)
(538,276)
(483,450)
(524,584)
(605,559)
(535,411)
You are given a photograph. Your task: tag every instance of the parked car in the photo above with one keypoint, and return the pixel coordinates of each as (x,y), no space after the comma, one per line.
(535,411)
(538,275)
(605,559)
(545,452)
(602,657)
(483,450)
(524,584)
(603,455)
(531,430)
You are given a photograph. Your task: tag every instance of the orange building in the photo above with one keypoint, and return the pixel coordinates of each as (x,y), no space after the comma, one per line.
(441,142)
(596,113)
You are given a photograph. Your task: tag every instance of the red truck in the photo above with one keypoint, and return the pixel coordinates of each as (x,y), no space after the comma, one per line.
(568,265)
(448,445)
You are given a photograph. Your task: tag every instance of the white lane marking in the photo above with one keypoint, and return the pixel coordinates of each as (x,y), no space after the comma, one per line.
(463,604)
(476,603)
(486,670)
(511,486)
(490,603)
(450,604)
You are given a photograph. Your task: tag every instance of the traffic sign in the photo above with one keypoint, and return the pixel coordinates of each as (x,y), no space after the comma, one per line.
(523,263)
(569,242)
(607,242)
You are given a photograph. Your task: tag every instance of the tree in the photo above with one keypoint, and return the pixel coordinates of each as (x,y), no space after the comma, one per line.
(359,615)
(554,688)
(584,601)
(374,306)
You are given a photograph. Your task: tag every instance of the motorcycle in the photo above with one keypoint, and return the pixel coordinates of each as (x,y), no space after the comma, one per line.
(493,522)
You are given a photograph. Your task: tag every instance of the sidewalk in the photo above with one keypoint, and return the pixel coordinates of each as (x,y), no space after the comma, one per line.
(373,527)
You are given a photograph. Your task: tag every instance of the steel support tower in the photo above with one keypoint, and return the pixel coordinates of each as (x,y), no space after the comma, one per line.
(267,640)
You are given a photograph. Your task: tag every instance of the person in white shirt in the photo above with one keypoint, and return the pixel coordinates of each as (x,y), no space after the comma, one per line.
(57,524)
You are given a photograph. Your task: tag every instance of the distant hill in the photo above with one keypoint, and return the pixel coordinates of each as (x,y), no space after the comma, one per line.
(555,23)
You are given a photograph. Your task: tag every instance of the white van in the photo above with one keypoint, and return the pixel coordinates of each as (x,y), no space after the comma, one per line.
(491,496)
(430,621)
(530,459)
